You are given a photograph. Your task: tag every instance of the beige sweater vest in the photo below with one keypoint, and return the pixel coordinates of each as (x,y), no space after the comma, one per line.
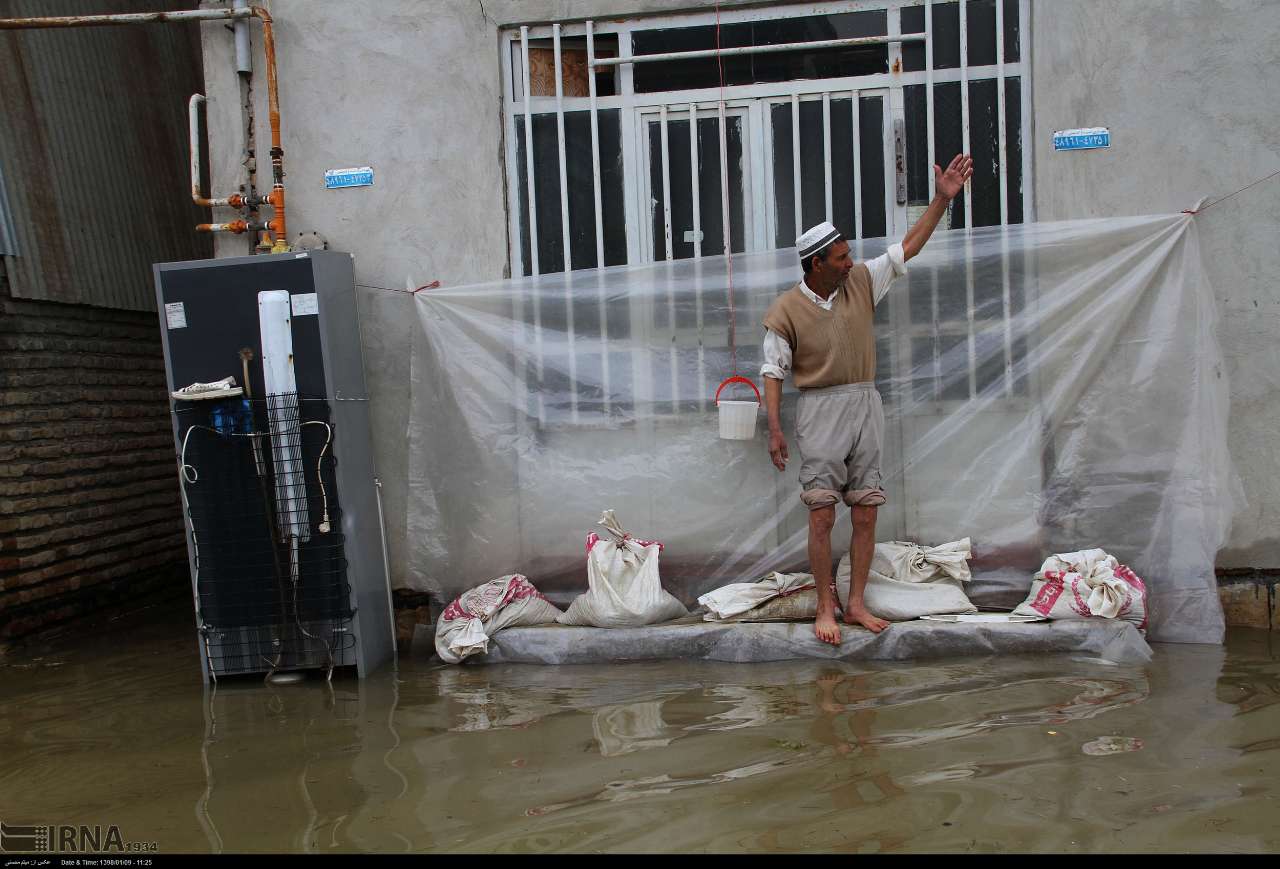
(828,348)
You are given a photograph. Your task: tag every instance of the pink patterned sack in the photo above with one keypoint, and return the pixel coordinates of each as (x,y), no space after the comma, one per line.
(508,601)
(1084,585)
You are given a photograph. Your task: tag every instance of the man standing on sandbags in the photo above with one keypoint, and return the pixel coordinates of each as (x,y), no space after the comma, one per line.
(821,331)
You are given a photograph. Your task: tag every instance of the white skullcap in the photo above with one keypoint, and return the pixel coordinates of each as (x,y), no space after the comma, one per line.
(816,238)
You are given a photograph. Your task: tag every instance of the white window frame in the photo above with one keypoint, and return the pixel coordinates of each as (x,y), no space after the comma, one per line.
(516,111)
(893,218)
(758,173)
(643,175)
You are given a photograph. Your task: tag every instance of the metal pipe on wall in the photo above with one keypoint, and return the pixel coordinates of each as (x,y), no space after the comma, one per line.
(235,226)
(235,200)
(244,60)
(178,17)
(276,198)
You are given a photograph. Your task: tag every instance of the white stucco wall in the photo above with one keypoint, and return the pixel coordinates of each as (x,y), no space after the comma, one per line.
(412,88)
(1188,90)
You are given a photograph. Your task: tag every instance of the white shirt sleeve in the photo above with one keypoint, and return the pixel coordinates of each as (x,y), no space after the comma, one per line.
(777,356)
(885,269)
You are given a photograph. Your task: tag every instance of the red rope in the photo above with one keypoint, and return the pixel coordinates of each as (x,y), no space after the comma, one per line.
(724,202)
(1229,195)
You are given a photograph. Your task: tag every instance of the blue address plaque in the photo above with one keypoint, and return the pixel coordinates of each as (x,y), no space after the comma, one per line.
(1082,140)
(359,176)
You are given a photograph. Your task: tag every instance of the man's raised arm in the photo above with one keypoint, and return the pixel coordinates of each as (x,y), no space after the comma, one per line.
(947,186)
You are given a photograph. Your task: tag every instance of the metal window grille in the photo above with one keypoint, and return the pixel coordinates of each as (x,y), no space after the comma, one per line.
(682,169)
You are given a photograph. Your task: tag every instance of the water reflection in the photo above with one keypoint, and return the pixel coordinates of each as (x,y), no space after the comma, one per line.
(847,714)
(982,754)
(631,789)
(631,727)
(312,765)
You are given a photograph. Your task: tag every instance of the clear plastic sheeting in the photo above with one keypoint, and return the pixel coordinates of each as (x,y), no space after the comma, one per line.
(1047,388)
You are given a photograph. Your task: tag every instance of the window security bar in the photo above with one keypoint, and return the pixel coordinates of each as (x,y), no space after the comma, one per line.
(962,74)
(697,106)
(758,49)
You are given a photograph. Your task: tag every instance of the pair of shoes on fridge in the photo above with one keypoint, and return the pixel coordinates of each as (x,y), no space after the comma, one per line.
(224,388)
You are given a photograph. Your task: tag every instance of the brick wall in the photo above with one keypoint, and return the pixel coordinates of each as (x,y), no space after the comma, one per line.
(90,513)
(1250,598)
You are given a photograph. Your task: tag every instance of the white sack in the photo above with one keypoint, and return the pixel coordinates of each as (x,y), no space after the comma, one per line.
(908,581)
(472,619)
(623,585)
(1086,584)
(802,606)
(739,597)
(910,562)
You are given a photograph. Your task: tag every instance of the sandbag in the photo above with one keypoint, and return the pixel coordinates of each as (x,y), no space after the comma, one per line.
(624,588)
(802,606)
(475,616)
(907,581)
(777,593)
(1086,584)
(910,562)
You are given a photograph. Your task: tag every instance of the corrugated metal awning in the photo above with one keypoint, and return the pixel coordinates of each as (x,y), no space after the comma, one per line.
(94,153)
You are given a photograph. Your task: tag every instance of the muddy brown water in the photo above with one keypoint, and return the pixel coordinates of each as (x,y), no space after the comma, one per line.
(111,725)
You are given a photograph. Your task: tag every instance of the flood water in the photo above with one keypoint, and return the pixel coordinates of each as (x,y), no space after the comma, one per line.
(111,725)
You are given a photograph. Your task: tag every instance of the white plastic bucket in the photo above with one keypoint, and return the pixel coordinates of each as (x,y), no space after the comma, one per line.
(738,418)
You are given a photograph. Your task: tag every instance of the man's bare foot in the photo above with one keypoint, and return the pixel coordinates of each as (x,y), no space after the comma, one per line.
(826,629)
(860,615)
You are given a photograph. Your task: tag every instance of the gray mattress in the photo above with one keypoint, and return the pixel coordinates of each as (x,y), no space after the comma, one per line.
(1115,641)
